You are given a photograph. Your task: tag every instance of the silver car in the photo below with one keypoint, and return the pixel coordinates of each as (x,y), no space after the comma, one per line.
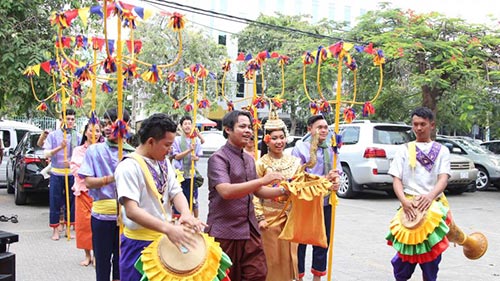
(487,163)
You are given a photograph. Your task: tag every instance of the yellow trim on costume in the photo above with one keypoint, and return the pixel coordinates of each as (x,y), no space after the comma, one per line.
(412,154)
(142,234)
(105,207)
(65,171)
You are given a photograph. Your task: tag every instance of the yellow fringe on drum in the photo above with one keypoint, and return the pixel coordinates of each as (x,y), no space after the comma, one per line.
(435,215)
(156,271)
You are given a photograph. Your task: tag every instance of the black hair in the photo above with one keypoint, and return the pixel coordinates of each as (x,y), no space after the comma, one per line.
(264,149)
(112,114)
(314,118)
(231,118)
(155,126)
(70,111)
(184,118)
(84,136)
(423,112)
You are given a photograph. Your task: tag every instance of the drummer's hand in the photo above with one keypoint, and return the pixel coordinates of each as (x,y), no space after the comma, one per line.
(408,209)
(334,177)
(195,224)
(181,235)
(423,202)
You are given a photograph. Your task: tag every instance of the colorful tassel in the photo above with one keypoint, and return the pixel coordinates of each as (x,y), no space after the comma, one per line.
(171,77)
(77,88)
(226,66)
(42,106)
(109,65)
(83,73)
(176,22)
(259,102)
(325,107)
(120,129)
(230,106)
(368,109)
(314,108)
(336,142)
(188,107)
(204,103)
(106,88)
(349,114)
(283,60)
(176,104)
(131,71)
(152,75)
(278,102)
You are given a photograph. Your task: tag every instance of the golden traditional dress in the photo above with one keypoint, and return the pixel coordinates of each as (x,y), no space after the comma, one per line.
(281,255)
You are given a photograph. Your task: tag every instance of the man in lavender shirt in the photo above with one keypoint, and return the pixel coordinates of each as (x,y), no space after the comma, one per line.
(60,149)
(97,169)
(183,152)
(317,125)
(232,182)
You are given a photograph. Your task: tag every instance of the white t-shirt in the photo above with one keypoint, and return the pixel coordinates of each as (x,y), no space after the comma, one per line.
(419,181)
(130,183)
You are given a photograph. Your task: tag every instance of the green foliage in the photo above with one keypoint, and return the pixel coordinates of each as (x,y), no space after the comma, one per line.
(160,46)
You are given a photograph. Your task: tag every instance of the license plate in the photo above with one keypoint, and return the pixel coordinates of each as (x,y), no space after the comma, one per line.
(464,175)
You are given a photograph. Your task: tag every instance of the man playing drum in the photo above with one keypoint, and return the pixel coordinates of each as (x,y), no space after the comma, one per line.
(420,173)
(147,210)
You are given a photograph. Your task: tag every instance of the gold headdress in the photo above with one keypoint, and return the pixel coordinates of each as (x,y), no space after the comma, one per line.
(274,122)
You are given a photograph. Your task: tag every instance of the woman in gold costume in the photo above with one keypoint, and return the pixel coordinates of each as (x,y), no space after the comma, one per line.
(281,255)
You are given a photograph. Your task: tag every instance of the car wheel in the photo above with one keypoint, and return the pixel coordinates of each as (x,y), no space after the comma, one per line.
(346,184)
(20,196)
(483,179)
(458,190)
(10,186)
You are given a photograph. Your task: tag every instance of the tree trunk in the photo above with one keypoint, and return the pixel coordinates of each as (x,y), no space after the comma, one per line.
(429,99)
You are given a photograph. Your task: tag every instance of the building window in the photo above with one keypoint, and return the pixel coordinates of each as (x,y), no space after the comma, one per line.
(222,40)
(241,85)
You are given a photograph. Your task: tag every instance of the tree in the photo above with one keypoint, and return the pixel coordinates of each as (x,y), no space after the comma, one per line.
(256,38)
(26,38)
(160,45)
(452,64)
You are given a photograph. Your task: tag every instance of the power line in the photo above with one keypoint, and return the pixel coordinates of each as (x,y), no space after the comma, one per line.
(223,16)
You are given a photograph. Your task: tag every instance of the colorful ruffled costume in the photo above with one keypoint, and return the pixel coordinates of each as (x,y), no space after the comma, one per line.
(216,264)
(425,242)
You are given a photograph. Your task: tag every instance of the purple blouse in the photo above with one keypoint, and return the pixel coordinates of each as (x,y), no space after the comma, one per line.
(230,218)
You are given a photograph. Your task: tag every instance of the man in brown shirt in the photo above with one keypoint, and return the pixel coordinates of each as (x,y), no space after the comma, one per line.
(232,181)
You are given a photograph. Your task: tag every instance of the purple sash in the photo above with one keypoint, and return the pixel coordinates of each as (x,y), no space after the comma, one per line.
(161,179)
(427,160)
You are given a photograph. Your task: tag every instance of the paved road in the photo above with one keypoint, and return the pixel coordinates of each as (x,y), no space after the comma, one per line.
(360,252)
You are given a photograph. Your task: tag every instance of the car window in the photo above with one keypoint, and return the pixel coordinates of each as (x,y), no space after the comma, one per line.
(472,146)
(391,135)
(6,138)
(350,135)
(20,133)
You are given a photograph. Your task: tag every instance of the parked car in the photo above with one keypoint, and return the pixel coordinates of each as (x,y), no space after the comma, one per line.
(23,168)
(213,141)
(493,146)
(366,154)
(11,133)
(487,163)
(463,175)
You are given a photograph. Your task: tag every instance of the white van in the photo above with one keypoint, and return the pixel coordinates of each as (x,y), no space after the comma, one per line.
(10,133)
